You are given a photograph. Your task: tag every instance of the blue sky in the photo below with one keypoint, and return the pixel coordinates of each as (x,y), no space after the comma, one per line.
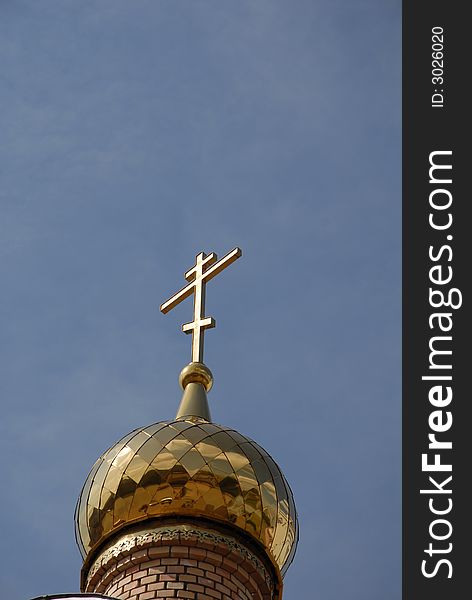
(136,134)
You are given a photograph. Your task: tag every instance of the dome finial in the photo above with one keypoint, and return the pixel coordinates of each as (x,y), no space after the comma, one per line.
(196,380)
(205,268)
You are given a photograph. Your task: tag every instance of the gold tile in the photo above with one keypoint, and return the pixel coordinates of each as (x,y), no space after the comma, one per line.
(223,441)
(113,450)
(121,509)
(230,488)
(137,441)
(221,467)
(254,523)
(262,471)
(107,499)
(195,434)
(281,489)
(208,449)
(269,496)
(279,538)
(141,499)
(210,428)
(95,526)
(163,436)
(151,430)
(237,437)
(126,487)
(107,521)
(179,446)
(269,519)
(273,468)
(152,477)
(113,478)
(206,476)
(150,449)
(267,530)
(247,478)
(123,458)
(136,468)
(213,500)
(181,425)
(250,451)
(252,499)
(177,476)
(93,499)
(192,461)
(237,459)
(164,492)
(164,460)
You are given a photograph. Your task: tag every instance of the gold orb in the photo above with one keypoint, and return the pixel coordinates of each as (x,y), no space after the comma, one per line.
(196,372)
(189,468)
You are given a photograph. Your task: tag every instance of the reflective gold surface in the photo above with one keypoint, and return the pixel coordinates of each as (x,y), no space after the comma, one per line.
(196,372)
(189,468)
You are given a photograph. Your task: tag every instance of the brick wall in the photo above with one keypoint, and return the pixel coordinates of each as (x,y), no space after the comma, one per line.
(181,562)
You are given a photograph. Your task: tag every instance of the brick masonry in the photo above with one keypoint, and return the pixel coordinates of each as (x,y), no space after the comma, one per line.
(181,561)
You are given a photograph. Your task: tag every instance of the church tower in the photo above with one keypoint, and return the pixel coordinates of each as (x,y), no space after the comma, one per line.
(187,508)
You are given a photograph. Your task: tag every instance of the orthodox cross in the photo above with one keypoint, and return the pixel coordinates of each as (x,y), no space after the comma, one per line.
(206,267)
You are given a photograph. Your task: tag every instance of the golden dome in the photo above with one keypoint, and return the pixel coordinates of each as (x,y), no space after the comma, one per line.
(189,467)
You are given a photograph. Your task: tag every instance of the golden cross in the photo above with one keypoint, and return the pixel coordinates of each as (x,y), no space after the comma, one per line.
(205,268)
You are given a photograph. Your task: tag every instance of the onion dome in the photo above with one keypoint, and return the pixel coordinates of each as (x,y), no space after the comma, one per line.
(189,467)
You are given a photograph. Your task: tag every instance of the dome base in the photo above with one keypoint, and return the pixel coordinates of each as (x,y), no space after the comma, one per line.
(181,560)
(191,469)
